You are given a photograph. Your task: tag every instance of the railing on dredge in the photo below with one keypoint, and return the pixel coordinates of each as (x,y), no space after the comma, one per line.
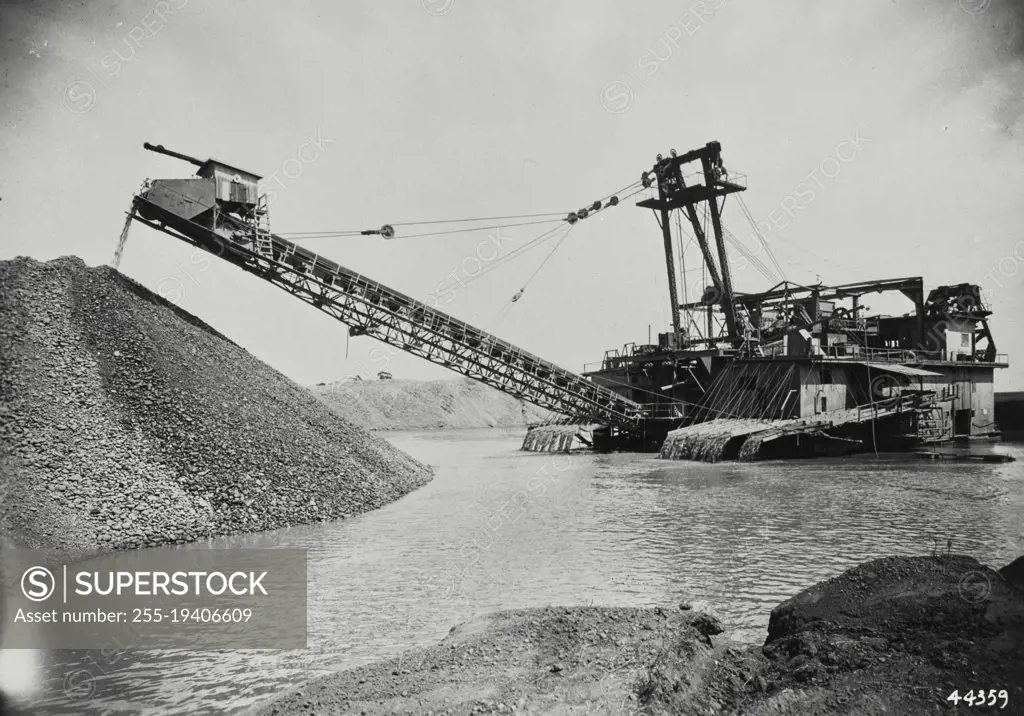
(892,355)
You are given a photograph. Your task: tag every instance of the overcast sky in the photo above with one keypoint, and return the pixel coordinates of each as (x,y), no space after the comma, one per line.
(903,118)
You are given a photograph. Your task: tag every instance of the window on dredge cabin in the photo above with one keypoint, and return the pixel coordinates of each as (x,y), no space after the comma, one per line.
(224,192)
(238,192)
(965,340)
(235,188)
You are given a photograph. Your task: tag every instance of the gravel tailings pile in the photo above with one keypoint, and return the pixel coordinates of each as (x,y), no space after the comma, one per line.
(892,636)
(426,404)
(127,422)
(580,660)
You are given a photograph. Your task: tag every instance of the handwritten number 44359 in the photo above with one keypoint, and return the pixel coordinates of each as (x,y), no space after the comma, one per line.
(980,698)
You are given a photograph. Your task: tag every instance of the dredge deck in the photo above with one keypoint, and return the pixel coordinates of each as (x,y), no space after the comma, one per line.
(837,432)
(888,425)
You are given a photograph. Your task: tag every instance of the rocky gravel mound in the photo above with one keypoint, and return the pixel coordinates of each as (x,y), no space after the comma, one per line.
(427,404)
(580,660)
(892,636)
(127,422)
(899,635)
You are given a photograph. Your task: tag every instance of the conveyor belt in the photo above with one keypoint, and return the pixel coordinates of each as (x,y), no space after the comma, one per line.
(372,309)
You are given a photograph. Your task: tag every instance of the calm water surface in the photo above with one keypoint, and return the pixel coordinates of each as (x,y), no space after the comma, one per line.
(498,528)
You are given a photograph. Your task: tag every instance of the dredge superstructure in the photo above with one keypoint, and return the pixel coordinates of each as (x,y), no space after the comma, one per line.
(796,370)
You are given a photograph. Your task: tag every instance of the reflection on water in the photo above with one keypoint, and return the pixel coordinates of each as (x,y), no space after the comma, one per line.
(499,528)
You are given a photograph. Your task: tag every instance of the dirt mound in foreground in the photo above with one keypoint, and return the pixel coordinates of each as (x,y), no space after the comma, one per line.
(898,595)
(581,660)
(128,422)
(899,635)
(426,404)
(892,636)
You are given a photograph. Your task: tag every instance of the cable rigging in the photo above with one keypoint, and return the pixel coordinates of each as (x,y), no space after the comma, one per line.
(496,321)
(572,219)
(388,230)
(760,236)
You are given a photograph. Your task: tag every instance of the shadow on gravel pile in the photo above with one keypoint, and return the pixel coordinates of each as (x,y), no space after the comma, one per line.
(129,422)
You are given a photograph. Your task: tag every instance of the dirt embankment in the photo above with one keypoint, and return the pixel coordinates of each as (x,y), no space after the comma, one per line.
(426,405)
(893,636)
(126,422)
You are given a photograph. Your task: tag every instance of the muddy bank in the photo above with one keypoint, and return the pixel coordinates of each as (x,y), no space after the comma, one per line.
(895,635)
(426,404)
(127,422)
